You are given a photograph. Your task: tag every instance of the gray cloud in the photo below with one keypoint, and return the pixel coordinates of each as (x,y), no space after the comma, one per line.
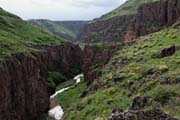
(97,3)
(60,9)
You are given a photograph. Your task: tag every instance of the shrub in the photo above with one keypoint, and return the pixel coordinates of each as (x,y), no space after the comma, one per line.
(54,78)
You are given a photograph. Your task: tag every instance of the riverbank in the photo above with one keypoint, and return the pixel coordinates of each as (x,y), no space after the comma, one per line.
(56,110)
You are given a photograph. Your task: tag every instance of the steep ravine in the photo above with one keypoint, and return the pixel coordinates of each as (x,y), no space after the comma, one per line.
(24,89)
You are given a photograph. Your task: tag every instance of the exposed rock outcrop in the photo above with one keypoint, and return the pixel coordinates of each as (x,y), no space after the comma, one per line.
(139,102)
(65,58)
(112,29)
(94,58)
(168,51)
(24,89)
(151,17)
(155,114)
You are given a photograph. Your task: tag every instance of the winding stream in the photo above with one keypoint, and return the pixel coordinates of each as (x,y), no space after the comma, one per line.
(57,111)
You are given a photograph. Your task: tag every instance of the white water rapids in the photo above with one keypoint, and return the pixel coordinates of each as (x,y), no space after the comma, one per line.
(57,111)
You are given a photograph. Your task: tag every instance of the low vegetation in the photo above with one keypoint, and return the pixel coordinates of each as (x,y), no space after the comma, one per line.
(45,117)
(142,73)
(55,78)
(130,7)
(66,84)
(65,29)
(17,35)
(71,96)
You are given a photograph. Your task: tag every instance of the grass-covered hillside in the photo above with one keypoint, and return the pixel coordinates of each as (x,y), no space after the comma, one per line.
(129,7)
(143,69)
(17,35)
(65,29)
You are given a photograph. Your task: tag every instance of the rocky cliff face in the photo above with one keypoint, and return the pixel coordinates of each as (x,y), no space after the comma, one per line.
(24,89)
(150,17)
(95,58)
(66,59)
(154,16)
(112,29)
(155,114)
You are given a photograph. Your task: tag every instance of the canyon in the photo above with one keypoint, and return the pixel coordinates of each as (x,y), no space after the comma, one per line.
(24,81)
(130,65)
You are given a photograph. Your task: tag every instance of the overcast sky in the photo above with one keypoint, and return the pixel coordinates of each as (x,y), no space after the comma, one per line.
(60,9)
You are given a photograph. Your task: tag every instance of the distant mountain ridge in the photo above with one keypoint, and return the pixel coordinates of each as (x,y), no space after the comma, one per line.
(65,29)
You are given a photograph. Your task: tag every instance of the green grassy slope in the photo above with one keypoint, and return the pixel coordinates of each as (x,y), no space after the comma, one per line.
(148,73)
(17,35)
(129,7)
(65,29)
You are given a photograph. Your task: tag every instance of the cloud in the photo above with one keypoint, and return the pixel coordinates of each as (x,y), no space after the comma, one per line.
(60,9)
(95,3)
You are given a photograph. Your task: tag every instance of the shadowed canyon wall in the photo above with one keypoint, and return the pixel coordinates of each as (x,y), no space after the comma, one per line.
(94,59)
(24,89)
(155,16)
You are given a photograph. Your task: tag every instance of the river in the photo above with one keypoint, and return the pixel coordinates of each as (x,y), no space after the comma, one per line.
(56,110)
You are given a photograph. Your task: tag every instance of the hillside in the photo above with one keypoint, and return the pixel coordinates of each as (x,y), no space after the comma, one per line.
(65,29)
(128,67)
(17,35)
(128,8)
(142,76)
(132,19)
(32,63)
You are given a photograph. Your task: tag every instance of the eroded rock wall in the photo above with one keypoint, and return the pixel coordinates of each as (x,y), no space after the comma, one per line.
(151,17)
(109,30)
(24,91)
(95,58)
(154,114)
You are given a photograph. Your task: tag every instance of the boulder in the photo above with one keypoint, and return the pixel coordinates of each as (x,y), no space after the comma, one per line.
(139,102)
(168,51)
(155,114)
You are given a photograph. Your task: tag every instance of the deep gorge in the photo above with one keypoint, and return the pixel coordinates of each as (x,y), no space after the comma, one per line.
(24,79)
(130,65)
